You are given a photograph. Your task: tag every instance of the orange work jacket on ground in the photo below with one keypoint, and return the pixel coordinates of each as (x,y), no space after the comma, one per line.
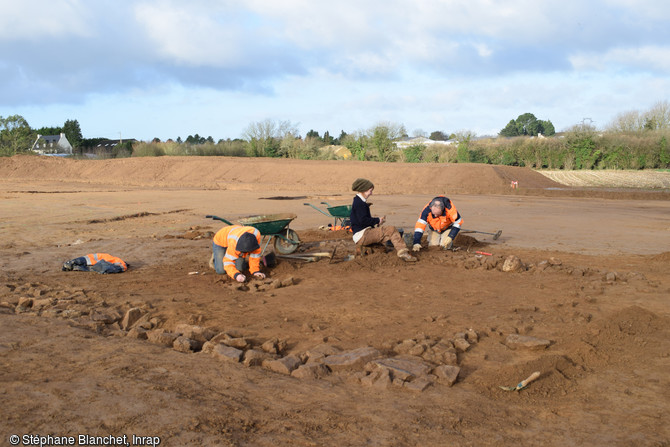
(94,258)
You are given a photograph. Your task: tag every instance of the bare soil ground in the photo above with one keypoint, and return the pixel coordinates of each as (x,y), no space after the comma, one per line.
(592,289)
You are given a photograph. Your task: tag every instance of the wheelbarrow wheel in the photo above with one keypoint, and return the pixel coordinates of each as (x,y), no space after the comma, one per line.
(286,247)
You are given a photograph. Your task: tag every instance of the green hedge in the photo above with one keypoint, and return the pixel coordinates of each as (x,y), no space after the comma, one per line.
(576,150)
(571,150)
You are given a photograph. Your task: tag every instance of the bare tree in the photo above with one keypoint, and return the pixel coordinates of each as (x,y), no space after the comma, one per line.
(264,137)
(630,121)
(382,138)
(658,117)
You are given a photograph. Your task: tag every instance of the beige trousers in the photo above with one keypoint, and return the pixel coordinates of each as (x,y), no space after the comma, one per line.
(382,234)
(435,238)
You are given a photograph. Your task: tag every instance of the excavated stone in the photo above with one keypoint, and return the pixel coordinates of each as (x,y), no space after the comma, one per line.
(160,337)
(350,360)
(403,368)
(379,378)
(131,317)
(227,353)
(184,344)
(516,341)
(193,332)
(107,316)
(418,384)
(137,333)
(310,371)
(284,365)
(447,374)
(461,344)
(512,264)
(254,357)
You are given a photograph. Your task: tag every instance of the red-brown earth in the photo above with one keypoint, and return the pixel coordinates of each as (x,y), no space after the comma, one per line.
(592,289)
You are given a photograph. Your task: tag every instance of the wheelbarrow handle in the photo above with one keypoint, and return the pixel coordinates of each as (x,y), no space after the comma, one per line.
(210,216)
(318,209)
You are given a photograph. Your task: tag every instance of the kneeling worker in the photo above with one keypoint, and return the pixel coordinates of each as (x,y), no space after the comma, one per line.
(438,216)
(231,245)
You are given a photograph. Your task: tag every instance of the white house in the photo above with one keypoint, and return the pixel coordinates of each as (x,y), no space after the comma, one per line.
(52,144)
(416,141)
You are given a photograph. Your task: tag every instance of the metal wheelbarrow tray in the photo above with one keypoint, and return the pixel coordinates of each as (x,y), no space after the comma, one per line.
(271,226)
(339,213)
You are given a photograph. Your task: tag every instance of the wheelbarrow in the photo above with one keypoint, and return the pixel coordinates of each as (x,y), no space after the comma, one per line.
(340,213)
(271,226)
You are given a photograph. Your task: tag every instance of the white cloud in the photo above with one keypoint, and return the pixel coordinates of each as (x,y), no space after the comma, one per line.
(483,50)
(430,64)
(38,19)
(187,35)
(642,59)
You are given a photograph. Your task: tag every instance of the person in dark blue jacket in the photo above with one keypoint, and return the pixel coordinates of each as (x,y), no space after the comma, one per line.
(371,230)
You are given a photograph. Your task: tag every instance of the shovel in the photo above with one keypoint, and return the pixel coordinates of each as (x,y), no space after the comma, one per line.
(523,384)
(306,257)
(495,235)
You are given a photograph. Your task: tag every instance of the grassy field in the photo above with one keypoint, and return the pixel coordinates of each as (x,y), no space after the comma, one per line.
(646,179)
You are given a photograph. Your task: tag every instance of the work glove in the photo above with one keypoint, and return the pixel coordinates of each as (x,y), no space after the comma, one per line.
(240,277)
(446,243)
(259,275)
(416,247)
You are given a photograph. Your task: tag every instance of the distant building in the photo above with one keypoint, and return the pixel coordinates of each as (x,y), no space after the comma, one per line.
(418,141)
(52,145)
(109,147)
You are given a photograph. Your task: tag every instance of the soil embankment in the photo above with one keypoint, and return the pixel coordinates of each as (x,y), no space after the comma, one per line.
(262,174)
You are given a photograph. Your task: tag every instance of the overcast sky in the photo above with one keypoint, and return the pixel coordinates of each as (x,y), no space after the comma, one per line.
(150,68)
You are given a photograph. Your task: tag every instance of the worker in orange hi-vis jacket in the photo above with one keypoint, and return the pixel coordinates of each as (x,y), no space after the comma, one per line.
(438,216)
(231,245)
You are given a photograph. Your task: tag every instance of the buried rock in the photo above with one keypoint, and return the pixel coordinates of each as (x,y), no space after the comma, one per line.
(227,353)
(198,333)
(131,317)
(310,371)
(404,369)
(447,374)
(161,337)
(513,264)
(185,344)
(379,378)
(284,365)
(351,360)
(516,341)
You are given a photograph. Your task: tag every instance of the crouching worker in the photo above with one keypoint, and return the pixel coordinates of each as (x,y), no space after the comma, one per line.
(438,216)
(371,230)
(231,245)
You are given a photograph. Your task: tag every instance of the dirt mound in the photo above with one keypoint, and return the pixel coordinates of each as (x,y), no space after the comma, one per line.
(665,256)
(262,174)
(626,337)
(558,376)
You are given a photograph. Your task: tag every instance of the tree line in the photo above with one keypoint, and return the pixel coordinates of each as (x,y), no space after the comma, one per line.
(633,140)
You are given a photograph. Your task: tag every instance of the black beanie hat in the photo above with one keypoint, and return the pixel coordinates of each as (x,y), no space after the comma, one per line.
(361,185)
(247,243)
